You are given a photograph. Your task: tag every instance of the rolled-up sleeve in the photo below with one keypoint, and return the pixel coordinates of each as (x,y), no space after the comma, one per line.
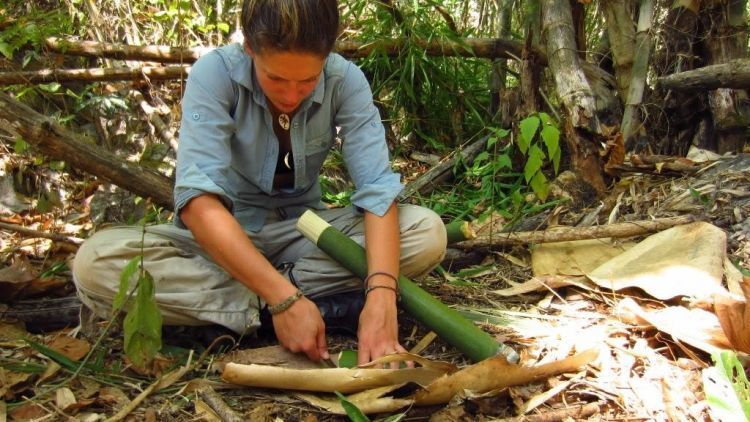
(364,148)
(206,130)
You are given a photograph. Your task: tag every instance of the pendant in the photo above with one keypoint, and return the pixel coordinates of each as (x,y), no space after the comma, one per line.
(288,162)
(284,121)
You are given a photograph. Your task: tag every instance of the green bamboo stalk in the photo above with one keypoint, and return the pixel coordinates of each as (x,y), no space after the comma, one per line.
(446,322)
(458,231)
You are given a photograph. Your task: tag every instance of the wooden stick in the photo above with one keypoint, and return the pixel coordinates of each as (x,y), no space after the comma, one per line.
(57,237)
(94,74)
(218,405)
(563,234)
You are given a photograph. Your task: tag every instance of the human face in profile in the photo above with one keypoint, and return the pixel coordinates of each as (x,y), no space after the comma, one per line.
(286,77)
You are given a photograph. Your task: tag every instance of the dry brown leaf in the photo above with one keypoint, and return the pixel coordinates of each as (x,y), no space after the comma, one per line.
(73,348)
(155,369)
(27,412)
(12,331)
(204,412)
(684,260)
(734,317)
(695,327)
(545,283)
(476,377)
(64,398)
(10,379)
(575,258)
(113,397)
(15,278)
(615,152)
(50,371)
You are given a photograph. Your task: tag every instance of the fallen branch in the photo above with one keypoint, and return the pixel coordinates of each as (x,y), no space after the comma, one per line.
(26,232)
(733,74)
(94,75)
(489,48)
(440,172)
(564,234)
(60,143)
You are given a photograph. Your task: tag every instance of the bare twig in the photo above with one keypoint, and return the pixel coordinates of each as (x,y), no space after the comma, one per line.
(35,233)
(218,405)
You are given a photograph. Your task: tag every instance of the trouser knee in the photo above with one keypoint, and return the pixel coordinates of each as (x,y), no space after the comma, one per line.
(423,240)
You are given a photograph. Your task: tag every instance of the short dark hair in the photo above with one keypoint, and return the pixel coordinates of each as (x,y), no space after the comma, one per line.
(309,26)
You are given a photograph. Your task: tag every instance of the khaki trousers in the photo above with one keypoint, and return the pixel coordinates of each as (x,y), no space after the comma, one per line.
(193,290)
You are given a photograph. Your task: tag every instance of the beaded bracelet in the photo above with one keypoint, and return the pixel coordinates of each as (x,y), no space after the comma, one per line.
(285,304)
(369,288)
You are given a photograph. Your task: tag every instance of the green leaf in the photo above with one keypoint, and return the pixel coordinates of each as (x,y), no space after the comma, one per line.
(6,50)
(533,162)
(503,161)
(127,273)
(551,138)
(528,128)
(50,87)
(556,160)
(727,388)
(223,27)
(545,118)
(540,186)
(20,146)
(143,324)
(355,415)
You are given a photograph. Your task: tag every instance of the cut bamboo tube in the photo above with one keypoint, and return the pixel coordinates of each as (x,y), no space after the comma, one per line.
(446,322)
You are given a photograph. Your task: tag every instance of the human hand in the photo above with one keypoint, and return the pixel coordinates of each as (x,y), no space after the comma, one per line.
(378,328)
(301,329)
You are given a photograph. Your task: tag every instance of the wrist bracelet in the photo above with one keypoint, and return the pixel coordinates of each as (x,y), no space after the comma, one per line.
(285,304)
(369,288)
(391,276)
(380,286)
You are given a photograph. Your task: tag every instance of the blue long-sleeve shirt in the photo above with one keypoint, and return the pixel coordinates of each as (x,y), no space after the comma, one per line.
(227,145)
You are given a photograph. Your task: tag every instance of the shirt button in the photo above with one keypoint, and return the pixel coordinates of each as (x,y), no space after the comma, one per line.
(196,116)
(296,125)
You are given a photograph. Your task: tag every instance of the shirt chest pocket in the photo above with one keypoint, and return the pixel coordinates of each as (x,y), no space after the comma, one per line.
(316,150)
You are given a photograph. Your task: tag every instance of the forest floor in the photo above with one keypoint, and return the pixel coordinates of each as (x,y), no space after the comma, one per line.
(653,345)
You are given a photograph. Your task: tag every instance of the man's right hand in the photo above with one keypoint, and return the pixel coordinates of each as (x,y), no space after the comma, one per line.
(301,329)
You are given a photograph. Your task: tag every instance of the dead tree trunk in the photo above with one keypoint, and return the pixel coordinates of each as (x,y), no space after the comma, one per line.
(582,128)
(94,75)
(621,35)
(727,40)
(734,74)
(53,140)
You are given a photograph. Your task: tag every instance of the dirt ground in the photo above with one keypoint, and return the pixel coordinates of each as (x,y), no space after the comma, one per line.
(645,370)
